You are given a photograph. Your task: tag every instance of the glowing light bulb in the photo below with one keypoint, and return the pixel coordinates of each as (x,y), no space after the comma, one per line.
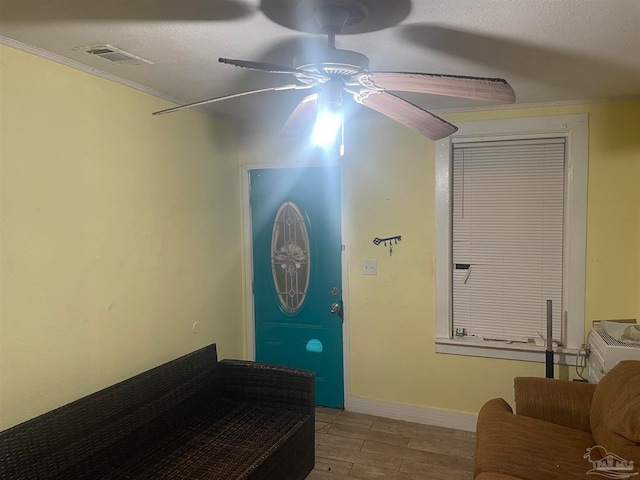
(328,123)
(329,116)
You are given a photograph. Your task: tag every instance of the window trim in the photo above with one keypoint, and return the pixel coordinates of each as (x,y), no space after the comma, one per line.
(574,128)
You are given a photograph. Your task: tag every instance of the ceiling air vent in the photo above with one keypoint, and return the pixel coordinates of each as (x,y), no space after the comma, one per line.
(113,54)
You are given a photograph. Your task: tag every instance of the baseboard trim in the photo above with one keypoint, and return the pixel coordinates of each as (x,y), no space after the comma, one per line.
(412,413)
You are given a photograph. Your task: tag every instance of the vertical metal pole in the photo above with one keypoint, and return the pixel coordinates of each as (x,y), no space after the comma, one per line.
(549,351)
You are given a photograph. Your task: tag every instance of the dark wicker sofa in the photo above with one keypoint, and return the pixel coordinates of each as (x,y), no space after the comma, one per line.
(191,418)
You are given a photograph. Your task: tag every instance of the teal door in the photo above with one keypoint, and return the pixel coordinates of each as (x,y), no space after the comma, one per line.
(297,249)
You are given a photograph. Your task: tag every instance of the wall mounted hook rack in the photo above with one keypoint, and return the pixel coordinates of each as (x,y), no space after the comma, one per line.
(392,241)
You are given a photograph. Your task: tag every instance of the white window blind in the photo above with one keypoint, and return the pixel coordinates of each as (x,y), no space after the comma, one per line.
(508,203)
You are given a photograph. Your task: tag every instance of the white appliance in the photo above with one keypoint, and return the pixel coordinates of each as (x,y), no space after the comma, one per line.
(606,352)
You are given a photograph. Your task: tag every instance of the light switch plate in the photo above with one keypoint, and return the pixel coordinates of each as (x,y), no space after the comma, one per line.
(368,267)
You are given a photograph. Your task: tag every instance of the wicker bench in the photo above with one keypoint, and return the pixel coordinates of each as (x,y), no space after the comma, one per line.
(191,418)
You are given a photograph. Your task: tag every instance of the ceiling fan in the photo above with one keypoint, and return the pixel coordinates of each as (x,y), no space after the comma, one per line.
(333,72)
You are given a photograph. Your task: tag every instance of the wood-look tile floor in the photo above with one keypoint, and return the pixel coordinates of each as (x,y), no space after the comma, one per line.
(356,446)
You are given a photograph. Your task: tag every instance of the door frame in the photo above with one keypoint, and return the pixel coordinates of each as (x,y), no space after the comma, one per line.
(250,336)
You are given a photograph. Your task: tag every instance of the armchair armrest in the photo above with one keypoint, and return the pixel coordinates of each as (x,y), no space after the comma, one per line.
(269,385)
(558,401)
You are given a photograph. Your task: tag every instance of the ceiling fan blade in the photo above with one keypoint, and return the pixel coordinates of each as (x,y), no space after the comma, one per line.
(406,113)
(270,68)
(477,88)
(229,97)
(302,116)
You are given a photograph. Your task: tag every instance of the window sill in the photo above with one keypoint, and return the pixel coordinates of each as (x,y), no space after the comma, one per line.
(509,351)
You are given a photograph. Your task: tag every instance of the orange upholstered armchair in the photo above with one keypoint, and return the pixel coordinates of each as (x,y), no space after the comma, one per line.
(558,424)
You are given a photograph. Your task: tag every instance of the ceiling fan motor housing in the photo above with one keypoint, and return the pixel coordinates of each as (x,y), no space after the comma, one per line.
(332,61)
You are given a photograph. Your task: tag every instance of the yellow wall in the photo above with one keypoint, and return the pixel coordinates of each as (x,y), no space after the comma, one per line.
(119,231)
(389,190)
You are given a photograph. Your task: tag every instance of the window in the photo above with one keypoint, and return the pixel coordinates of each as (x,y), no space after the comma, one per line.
(507,208)
(290,256)
(510,234)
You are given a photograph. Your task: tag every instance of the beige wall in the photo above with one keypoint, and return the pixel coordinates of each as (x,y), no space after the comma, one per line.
(119,231)
(389,190)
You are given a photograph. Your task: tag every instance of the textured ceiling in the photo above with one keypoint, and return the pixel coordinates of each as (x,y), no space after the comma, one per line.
(548,50)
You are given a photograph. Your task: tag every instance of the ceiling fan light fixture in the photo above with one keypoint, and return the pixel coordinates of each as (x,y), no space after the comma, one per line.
(329,116)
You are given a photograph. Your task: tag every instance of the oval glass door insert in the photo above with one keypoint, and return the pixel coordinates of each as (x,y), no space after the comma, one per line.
(290,256)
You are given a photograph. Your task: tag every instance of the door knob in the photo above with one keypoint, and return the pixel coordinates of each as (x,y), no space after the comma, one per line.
(336,309)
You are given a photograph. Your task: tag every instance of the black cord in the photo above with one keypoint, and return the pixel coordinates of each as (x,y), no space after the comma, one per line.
(583,352)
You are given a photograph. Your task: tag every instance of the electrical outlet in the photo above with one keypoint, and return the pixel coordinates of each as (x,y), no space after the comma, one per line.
(368,267)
